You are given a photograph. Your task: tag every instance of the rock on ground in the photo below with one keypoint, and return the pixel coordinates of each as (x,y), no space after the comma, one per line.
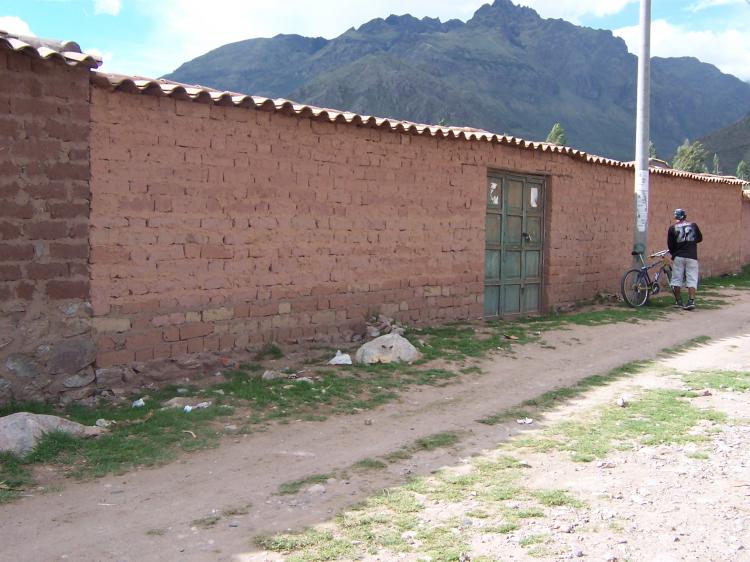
(390,348)
(20,432)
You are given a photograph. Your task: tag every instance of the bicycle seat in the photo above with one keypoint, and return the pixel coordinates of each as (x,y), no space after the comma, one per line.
(634,253)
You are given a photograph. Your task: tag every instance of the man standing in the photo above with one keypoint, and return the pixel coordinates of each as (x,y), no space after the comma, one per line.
(682,240)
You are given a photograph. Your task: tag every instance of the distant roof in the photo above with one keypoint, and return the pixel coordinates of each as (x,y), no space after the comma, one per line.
(68,52)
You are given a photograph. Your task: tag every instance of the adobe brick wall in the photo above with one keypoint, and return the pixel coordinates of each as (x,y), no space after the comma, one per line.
(745,230)
(45,339)
(214,227)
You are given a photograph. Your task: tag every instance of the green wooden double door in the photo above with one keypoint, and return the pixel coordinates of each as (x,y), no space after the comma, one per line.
(514,245)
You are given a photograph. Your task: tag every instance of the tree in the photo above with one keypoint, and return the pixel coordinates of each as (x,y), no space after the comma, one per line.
(717,167)
(690,157)
(743,171)
(651,149)
(557,135)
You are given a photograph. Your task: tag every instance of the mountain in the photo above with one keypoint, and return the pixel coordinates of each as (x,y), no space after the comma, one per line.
(506,70)
(731,143)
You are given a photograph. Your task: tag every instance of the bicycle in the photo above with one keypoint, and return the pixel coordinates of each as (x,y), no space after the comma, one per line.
(637,286)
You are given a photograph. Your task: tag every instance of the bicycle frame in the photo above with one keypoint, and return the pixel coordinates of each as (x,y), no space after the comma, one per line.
(637,285)
(661,263)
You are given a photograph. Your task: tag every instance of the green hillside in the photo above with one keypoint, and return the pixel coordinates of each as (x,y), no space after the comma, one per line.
(506,70)
(731,143)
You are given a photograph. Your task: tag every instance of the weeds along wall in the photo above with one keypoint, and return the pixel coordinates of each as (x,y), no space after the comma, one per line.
(45,334)
(214,227)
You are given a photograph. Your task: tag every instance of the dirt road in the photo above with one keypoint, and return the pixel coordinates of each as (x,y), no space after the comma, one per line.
(152,514)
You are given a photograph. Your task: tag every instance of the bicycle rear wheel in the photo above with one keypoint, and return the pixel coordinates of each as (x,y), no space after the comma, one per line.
(635,288)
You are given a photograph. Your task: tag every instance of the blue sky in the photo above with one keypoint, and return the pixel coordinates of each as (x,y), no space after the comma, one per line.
(153,37)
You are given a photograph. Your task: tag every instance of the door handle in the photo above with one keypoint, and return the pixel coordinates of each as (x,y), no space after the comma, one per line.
(526,236)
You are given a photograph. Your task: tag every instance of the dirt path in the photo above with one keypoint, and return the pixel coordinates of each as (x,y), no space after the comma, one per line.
(150,514)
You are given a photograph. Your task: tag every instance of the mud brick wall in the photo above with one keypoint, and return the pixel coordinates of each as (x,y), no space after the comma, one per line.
(45,341)
(213,227)
(746,229)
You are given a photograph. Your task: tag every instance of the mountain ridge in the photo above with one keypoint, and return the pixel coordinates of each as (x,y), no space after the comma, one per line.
(505,70)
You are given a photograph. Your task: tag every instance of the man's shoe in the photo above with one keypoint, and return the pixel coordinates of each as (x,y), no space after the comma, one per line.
(690,305)
(678,304)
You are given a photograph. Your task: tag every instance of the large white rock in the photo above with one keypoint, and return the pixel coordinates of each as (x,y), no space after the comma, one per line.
(390,348)
(20,432)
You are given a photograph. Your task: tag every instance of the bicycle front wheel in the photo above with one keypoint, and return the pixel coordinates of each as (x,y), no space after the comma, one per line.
(634,287)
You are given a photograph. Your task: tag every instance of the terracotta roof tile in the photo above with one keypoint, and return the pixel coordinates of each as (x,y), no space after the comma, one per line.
(68,52)
(161,87)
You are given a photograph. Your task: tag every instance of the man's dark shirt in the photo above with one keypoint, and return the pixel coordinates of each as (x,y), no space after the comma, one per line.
(683,238)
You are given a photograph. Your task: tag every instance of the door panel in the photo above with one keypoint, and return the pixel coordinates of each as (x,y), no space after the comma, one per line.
(514,244)
(492,265)
(492,225)
(511,303)
(491,300)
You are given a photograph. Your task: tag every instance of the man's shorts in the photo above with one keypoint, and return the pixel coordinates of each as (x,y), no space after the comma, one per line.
(684,273)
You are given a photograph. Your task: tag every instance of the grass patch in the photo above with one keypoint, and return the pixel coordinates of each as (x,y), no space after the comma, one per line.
(14,476)
(156,532)
(369,464)
(502,529)
(532,540)
(699,455)
(269,351)
(294,486)
(738,381)
(429,443)
(556,498)
(739,280)
(659,416)
(234,511)
(140,437)
(206,522)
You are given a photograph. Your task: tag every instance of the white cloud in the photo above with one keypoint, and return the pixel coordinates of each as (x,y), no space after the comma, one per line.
(729,49)
(15,25)
(705,4)
(108,7)
(105,56)
(574,10)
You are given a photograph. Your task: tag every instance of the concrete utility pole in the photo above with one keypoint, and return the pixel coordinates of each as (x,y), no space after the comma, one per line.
(643,111)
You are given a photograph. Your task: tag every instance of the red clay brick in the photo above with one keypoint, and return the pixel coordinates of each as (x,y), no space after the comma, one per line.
(46,230)
(16,252)
(58,290)
(11,209)
(68,210)
(111,358)
(43,271)
(25,291)
(74,250)
(10,273)
(9,231)
(197,329)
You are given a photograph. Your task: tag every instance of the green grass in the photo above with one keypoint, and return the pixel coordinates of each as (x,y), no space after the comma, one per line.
(658,416)
(369,464)
(738,381)
(206,522)
(740,280)
(429,443)
(14,476)
(556,498)
(269,351)
(294,486)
